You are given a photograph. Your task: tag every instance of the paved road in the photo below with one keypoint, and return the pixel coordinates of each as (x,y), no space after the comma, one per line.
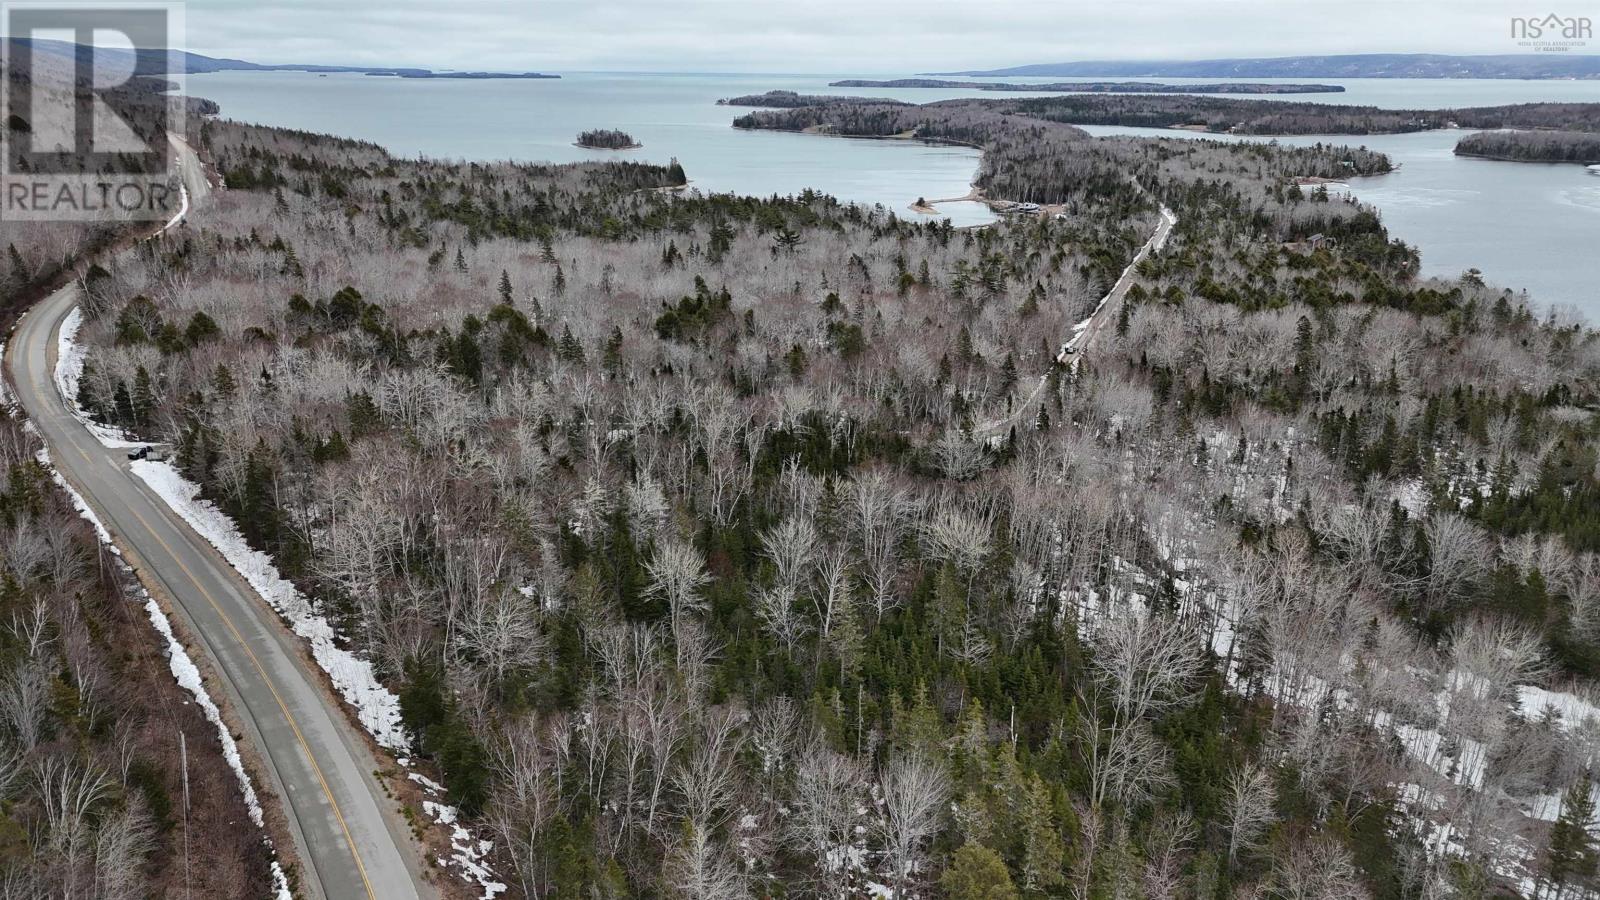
(351,843)
(1079,344)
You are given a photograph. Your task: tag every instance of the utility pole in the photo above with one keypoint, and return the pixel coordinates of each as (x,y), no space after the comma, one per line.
(183,755)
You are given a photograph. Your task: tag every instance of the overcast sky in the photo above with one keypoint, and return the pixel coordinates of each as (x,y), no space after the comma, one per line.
(836,36)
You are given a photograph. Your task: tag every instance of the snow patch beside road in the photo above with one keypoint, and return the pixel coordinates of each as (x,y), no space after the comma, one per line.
(187,675)
(78,503)
(183,669)
(467,852)
(70,357)
(377,708)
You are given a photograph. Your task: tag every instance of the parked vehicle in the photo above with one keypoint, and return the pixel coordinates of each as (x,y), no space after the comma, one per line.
(151,452)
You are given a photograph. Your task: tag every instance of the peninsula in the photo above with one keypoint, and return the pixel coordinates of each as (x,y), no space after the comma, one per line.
(1099,87)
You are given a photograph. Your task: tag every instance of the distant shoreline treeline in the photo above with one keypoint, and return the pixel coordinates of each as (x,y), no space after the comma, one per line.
(1229,115)
(792,100)
(1100,87)
(1349,65)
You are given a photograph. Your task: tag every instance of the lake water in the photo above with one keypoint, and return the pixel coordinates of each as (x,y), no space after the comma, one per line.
(1525,226)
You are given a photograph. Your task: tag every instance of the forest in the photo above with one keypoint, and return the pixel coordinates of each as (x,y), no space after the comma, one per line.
(91,715)
(725,547)
(1533,146)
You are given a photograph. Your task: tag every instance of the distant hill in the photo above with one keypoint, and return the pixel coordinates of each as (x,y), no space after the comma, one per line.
(181,61)
(1364,65)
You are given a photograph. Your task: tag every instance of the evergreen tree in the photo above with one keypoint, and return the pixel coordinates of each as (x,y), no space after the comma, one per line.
(1572,857)
(1043,852)
(222,382)
(612,354)
(122,404)
(144,397)
(846,637)
(363,413)
(201,328)
(258,514)
(787,240)
(1008,374)
(721,241)
(19,269)
(568,347)
(949,611)
(505,287)
(977,873)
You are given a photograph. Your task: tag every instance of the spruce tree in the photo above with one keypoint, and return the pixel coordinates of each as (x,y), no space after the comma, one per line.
(612,357)
(222,382)
(144,396)
(19,269)
(1043,853)
(1573,855)
(977,873)
(363,413)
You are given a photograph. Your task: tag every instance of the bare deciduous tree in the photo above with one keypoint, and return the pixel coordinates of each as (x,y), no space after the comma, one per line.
(677,573)
(914,792)
(1146,661)
(822,820)
(1248,800)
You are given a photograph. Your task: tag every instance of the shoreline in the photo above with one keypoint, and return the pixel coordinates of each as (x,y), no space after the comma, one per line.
(927,208)
(633,146)
(1588,166)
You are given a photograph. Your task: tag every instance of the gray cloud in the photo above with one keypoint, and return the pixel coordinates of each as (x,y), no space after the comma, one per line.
(855,36)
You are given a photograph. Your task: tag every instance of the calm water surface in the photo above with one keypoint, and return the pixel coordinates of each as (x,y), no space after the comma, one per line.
(1526,226)
(671,115)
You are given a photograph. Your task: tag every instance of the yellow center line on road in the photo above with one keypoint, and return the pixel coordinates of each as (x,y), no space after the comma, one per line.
(289,717)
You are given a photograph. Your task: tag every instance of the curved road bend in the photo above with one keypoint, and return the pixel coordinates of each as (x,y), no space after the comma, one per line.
(351,844)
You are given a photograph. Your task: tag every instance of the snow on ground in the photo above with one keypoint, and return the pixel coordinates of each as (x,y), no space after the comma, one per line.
(78,503)
(183,209)
(69,371)
(433,787)
(1571,711)
(185,672)
(467,853)
(70,357)
(187,675)
(377,708)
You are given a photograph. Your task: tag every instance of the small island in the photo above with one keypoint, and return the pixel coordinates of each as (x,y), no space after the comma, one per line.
(607,139)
